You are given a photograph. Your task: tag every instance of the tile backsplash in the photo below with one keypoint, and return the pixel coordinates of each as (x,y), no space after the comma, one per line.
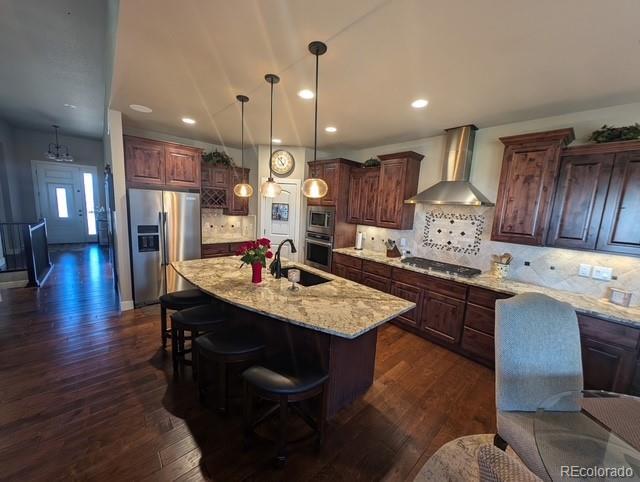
(217,226)
(462,235)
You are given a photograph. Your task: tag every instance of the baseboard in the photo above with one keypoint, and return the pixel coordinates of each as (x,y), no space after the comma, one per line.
(14,284)
(126,305)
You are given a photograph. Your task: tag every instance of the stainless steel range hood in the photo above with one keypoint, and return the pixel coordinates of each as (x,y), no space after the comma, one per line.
(455,188)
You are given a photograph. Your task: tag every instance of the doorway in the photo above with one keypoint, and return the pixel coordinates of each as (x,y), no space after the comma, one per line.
(66,195)
(280,217)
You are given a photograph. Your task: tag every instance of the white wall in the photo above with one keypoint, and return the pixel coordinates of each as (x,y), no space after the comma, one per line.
(115,151)
(9,191)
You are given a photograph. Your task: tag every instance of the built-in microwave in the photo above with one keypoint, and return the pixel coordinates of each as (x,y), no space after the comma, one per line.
(321,220)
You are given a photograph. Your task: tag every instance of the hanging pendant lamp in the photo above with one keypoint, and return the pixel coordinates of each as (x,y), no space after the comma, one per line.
(242,189)
(315,188)
(270,188)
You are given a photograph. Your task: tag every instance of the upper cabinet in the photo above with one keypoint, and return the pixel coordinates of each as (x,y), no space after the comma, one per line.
(527,184)
(237,206)
(151,163)
(335,172)
(218,182)
(377,194)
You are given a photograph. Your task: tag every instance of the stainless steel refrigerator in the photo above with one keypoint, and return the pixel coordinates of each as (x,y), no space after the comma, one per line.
(164,226)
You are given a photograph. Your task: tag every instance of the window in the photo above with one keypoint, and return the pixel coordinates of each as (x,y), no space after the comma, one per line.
(61,201)
(88,200)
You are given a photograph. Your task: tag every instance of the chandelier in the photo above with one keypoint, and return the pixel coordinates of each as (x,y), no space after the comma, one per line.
(58,152)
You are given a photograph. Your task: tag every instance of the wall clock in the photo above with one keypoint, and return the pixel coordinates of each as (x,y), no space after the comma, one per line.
(282,163)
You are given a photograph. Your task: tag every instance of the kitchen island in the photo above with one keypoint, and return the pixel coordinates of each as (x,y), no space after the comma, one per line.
(333,324)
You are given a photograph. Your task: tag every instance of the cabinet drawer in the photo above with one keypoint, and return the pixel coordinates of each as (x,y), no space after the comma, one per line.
(438,285)
(213,250)
(409,293)
(478,344)
(376,268)
(376,282)
(608,332)
(484,297)
(347,260)
(347,272)
(480,318)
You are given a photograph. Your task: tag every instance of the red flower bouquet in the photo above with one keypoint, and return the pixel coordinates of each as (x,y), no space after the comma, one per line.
(256,254)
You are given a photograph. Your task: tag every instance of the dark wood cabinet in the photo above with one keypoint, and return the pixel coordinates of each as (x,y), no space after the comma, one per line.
(151,163)
(409,293)
(376,282)
(363,195)
(527,184)
(579,201)
(237,206)
(216,250)
(398,181)
(442,317)
(144,162)
(620,228)
(335,172)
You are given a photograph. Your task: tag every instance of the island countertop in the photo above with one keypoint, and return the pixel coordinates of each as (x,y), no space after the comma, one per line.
(339,307)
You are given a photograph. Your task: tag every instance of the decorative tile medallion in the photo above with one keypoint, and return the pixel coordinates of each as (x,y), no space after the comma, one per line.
(455,232)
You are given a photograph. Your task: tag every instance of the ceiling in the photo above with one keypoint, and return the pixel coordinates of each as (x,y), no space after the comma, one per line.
(486,63)
(53,53)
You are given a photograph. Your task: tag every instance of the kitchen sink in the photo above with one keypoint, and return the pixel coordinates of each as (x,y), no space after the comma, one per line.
(307,278)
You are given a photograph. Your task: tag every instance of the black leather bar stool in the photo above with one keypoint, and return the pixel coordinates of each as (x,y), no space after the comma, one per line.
(230,346)
(286,385)
(196,320)
(178,300)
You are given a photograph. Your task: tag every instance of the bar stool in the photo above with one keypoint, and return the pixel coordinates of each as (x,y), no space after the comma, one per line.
(178,300)
(285,385)
(197,320)
(231,346)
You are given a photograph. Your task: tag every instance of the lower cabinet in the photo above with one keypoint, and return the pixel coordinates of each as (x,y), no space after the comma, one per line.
(463,319)
(217,250)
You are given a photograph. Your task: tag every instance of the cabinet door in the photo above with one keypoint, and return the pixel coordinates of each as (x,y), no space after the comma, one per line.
(607,367)
(442,317)
(527,183)
(354,210)
(144,161)
(620,229)
(219,177)
(579,201)
(370,197)
(330,174)
(238,206)
(182,166)
(316,170)
(206,179)
(409,293)
(347,272)
(391,193)
(376,282)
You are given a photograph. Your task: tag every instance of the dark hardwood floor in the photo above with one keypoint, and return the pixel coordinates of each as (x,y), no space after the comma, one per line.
(87,394)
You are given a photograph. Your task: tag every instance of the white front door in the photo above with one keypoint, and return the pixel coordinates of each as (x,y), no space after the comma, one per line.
(66,197)
(280,217)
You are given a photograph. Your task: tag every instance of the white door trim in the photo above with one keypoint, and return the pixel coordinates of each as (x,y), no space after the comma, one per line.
(296,221)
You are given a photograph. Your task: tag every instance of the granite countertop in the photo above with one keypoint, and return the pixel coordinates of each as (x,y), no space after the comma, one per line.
(582,303)
(225,239)
(339,307)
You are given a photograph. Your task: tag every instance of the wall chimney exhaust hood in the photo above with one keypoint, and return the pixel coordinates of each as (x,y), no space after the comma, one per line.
(455,188)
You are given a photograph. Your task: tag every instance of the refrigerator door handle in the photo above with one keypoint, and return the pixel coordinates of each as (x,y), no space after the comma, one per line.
(163,222)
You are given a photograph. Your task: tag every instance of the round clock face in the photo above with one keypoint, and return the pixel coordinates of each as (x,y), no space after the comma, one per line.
(282,163)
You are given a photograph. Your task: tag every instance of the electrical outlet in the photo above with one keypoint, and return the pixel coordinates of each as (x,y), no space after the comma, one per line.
(585,270)
(403,242)
(602,273)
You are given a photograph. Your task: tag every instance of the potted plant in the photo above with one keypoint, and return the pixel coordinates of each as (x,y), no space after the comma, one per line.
(612,134)
(372,162)
(218,157)
(256,254)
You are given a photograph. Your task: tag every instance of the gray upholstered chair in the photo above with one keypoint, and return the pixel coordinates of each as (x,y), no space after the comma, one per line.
(537,356)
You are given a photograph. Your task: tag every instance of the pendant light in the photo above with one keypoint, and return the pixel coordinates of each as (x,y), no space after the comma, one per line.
(242,189)
(270,188)
(58,152)
(315,188)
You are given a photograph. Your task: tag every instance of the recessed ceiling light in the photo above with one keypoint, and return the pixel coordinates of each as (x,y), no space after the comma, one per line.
(71,106)
(306,94)
(330,129)
(188,120)
(275,140)
(140,108)
(419,103)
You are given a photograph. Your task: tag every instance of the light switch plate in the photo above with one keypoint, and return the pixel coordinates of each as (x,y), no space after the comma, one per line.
(585,270)
(602,273)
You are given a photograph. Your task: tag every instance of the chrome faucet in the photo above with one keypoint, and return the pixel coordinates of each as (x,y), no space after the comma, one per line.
(276,266)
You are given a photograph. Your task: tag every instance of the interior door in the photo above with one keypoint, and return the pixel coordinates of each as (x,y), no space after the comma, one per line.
(60,191)
(280,218)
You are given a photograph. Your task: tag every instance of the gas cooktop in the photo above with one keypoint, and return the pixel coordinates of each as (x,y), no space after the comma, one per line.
(448,268)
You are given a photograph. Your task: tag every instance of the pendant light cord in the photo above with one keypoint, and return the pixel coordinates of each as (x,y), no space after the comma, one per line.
(242,138)
(271,135)
(315,119)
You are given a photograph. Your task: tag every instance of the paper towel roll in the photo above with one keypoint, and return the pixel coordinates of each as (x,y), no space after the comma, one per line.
(359,240)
